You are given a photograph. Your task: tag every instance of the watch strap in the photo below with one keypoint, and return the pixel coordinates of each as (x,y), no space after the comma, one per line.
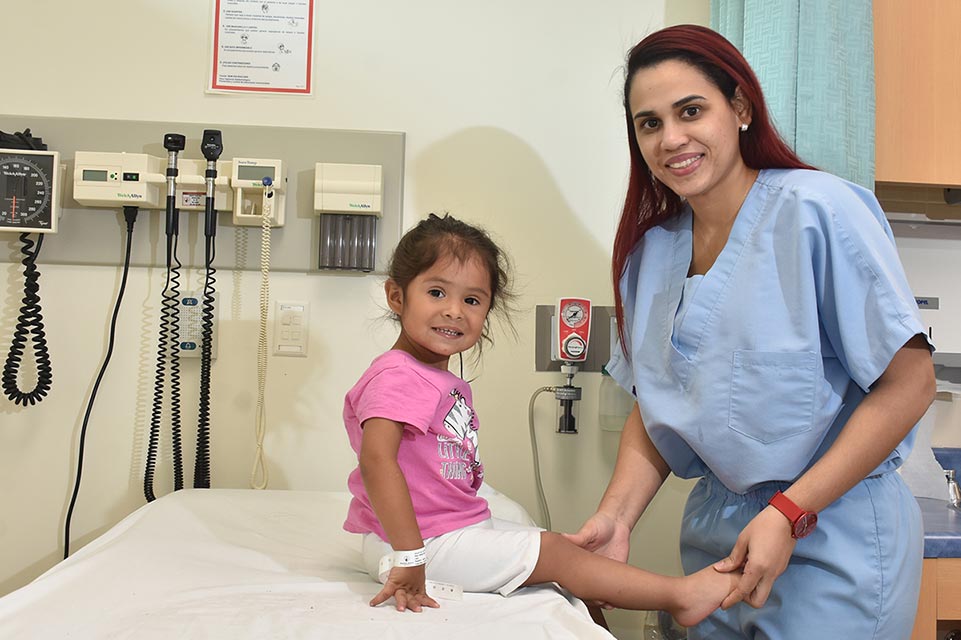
(786,506)
(802,521)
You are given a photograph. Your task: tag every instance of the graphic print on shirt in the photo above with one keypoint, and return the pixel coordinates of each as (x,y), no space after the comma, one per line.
(458,454)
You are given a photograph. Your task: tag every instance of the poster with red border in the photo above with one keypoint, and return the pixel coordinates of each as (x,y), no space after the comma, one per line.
(262,46)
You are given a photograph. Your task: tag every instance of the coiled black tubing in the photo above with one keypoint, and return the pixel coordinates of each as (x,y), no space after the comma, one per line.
(202,462)
(167,352)
(29,327)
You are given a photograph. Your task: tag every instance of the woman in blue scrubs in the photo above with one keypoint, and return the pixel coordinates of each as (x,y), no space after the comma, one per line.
(775,351)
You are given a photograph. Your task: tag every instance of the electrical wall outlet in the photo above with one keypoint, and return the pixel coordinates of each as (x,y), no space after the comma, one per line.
(190,324)
(290,328)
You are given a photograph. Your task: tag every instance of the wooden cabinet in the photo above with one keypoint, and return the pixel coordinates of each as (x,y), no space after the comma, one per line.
(917,57)
(940,597)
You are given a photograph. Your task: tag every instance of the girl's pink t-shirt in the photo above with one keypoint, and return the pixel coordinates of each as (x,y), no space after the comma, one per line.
(438,449)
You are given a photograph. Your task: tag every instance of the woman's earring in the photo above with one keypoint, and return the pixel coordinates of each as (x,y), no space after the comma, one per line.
(743,127)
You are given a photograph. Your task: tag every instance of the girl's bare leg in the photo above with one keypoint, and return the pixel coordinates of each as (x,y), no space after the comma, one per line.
(593,577)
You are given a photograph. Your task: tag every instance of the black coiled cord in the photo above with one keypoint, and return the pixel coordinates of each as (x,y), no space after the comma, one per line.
(130,215)
(211,147)
(30,322)
(169,338)
(175,430)
(202,463)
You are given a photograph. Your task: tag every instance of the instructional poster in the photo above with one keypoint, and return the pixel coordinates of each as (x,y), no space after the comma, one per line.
(262,46)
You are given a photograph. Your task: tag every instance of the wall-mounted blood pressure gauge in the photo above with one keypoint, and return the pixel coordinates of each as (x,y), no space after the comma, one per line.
(29,190)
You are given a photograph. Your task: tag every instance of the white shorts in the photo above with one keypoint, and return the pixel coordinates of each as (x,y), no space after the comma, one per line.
(492,556)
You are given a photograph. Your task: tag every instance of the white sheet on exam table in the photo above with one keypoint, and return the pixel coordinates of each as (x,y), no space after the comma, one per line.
(245,564)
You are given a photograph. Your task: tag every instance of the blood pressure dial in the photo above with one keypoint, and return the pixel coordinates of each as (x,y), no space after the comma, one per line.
(28,190)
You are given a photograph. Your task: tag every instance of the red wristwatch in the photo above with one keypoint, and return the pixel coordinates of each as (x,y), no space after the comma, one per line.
(802,522)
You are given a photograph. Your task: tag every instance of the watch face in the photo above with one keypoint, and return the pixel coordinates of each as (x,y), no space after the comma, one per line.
(805,524)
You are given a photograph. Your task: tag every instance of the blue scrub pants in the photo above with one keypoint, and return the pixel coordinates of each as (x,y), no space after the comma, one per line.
(856,577)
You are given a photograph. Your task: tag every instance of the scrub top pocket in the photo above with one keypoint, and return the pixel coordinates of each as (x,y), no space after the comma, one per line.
(772,394)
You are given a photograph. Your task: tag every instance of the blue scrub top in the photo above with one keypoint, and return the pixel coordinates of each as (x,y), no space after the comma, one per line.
(780,340)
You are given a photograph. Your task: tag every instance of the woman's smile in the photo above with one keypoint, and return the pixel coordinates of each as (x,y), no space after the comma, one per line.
(684,164)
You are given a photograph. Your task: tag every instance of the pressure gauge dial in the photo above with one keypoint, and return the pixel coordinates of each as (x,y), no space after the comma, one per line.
(29,190)
(573,314)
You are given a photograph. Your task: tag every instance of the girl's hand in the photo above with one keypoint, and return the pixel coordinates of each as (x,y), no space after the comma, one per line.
(602,534)
(764,549)
(408,586)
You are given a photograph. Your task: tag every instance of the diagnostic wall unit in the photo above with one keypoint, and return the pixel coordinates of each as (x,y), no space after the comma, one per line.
(88,235)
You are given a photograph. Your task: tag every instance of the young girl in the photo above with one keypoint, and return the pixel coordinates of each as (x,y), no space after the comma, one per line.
(413,426)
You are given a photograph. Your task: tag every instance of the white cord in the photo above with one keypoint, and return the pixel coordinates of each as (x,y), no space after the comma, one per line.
(541,500)
(260,464)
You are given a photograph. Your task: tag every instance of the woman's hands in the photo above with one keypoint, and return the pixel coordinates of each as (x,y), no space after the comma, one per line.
(408,586)
(604,535)
(763,549)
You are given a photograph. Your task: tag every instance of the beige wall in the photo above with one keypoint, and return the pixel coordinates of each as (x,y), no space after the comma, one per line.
(513,120)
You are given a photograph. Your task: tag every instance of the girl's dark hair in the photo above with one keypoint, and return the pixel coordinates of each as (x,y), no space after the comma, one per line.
(648,202)
(437,237)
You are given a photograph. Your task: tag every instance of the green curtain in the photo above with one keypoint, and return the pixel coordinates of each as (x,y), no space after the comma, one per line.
(815,61)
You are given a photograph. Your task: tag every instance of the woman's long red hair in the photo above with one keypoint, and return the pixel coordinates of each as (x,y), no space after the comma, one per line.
(648,202)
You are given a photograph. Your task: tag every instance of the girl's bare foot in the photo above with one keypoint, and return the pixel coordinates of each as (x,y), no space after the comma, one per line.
(701,593)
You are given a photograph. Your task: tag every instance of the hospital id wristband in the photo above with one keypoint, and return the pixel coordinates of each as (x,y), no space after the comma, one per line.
(412,558)
(444,590)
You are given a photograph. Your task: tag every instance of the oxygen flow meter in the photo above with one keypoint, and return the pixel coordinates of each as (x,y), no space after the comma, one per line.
(29,190)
